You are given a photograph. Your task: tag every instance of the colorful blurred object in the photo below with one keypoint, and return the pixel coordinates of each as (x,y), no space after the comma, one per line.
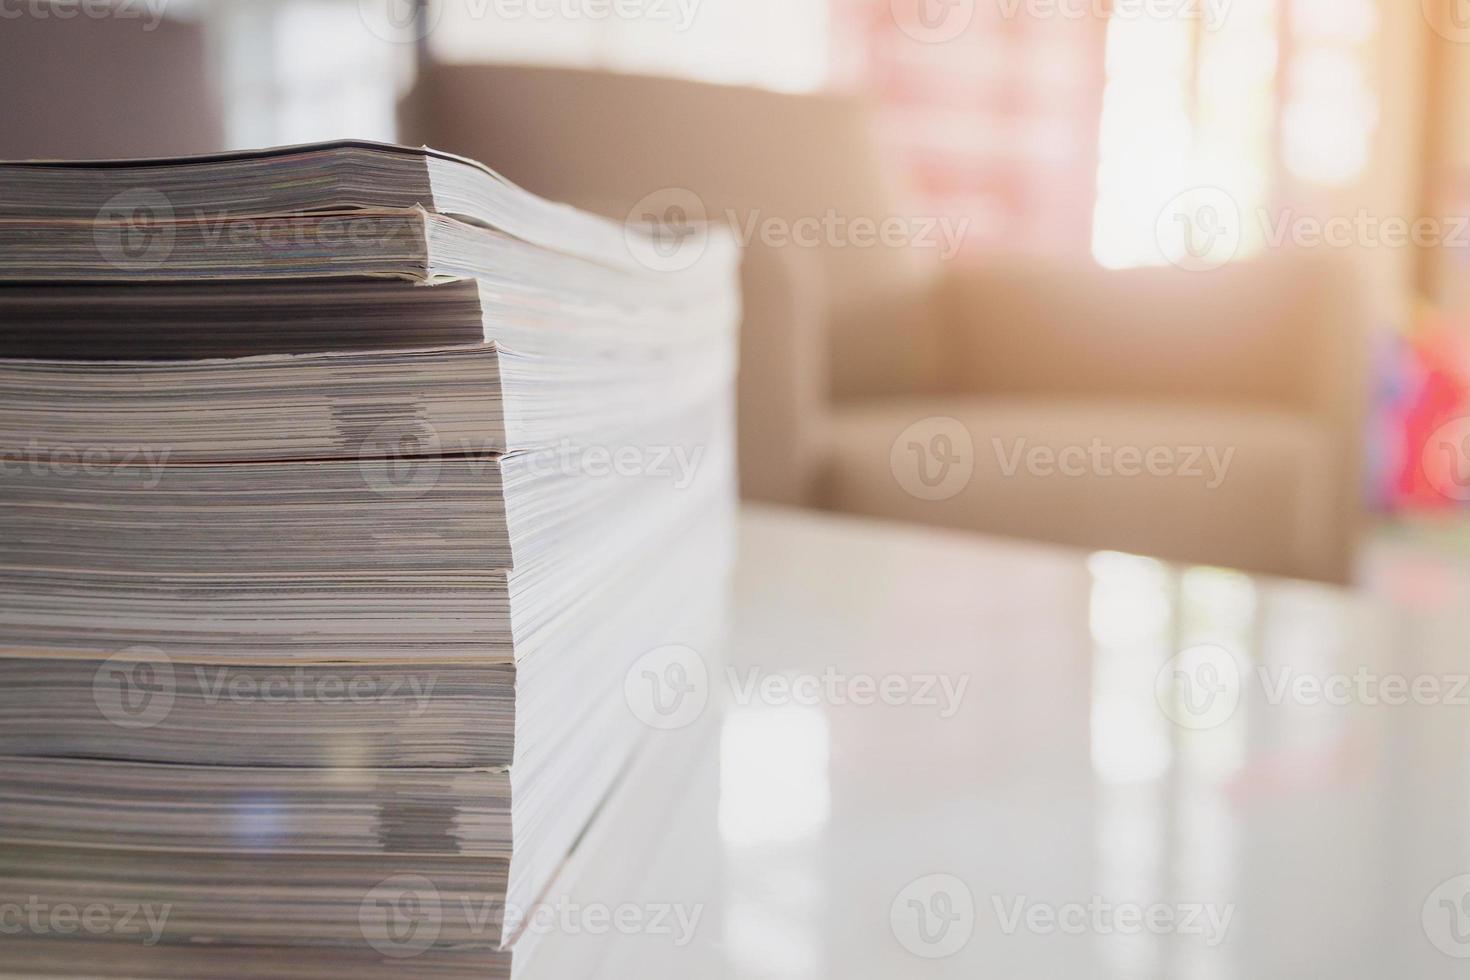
(1423,387)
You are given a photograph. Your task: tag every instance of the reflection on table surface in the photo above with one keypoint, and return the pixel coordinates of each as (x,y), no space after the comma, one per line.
(950,757)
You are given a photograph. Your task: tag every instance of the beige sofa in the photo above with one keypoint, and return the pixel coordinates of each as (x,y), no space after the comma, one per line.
(1201,417)
(1069,384)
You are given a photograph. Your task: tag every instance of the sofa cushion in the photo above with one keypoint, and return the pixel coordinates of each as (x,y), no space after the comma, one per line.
(1238,487)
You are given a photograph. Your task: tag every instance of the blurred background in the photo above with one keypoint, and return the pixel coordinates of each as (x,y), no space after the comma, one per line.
(1179,277)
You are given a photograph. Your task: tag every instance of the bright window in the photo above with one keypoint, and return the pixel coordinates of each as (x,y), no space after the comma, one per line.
(1331,110)
(1199,118)
(1188,109)
(295,71)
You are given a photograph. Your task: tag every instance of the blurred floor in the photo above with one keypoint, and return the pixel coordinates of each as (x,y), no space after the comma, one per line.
(1422,561)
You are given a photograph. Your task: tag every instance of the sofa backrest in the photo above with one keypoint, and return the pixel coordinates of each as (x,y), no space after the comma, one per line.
(1275,331)
(605,141)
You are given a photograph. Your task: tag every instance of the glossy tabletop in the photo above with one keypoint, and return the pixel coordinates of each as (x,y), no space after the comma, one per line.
(952,757)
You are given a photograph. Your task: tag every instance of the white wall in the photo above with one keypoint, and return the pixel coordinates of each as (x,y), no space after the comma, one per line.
(779,44)
(294,71)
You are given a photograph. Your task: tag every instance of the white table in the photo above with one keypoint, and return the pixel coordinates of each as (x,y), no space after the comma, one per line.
(1072,817)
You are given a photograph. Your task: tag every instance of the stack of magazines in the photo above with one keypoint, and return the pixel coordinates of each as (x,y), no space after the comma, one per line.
(363,519)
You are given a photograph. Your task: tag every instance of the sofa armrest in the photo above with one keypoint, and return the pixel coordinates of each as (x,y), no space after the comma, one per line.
(783,386)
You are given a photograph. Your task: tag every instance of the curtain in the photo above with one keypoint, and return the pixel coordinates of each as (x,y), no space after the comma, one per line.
(992,112)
